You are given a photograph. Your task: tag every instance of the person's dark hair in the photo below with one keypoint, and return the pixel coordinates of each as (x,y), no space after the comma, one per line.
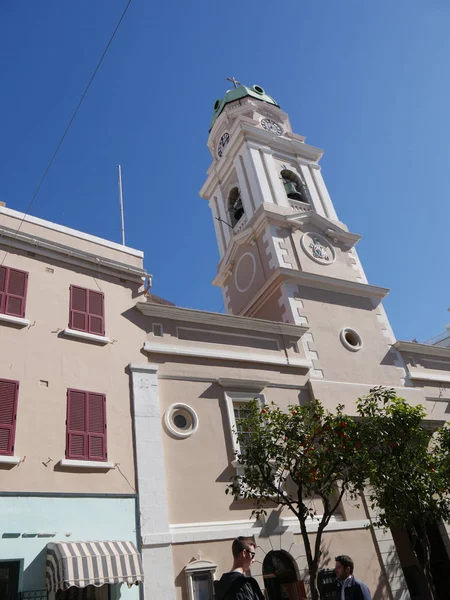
(345,561)
(242,543)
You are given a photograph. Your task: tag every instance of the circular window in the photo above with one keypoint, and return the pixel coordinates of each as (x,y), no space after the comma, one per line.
(351,339)
(258,89)
(181,420)
(216,104)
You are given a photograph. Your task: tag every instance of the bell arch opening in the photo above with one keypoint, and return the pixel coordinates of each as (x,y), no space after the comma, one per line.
(235,206)
(293,186)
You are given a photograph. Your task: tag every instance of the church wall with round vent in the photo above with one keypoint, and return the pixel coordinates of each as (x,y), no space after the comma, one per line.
(181,420)
(351,339)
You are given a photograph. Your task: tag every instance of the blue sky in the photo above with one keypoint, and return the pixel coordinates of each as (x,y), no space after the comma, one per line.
(367,81)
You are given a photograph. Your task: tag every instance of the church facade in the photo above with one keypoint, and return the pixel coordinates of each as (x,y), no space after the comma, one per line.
(303,322)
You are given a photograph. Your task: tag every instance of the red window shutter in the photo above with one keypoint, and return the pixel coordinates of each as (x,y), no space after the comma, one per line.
(8,413)
(76,446)
(96,313)
(13,291)
(97,426)
(3,272)
(78,318)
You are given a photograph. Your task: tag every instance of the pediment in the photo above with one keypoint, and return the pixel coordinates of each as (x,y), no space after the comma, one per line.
(335,232)
(295,220)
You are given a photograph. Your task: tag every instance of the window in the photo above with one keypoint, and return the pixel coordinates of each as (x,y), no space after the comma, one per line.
(237,406)
(181,420)
(87,310)
(351,339)
(294,187)
(86,426)
(235,206)
(199,579)
(8,411)
(13,291)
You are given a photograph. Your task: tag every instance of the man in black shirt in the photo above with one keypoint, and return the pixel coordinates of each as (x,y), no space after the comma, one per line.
(236,585)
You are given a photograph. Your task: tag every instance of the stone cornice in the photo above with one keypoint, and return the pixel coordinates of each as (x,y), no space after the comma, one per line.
(51,249)
(323,282)
(270,215)
(189,315)
(22,217)
(245,130)
(427,349)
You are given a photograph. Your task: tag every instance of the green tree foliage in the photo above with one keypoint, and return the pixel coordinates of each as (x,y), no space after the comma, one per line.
(408,467)
(290,456)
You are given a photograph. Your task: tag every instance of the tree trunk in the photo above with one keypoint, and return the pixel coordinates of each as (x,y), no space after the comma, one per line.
(313,582)
(312,562)
(422,550)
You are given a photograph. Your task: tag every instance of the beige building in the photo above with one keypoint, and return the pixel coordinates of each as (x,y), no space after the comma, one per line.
(117,408)
(303,322)
(66,450)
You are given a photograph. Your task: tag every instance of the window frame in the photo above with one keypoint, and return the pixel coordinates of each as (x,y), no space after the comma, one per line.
(86,433)
(5,295)
(87,313)
(12,441)
(199,567)
(241,398)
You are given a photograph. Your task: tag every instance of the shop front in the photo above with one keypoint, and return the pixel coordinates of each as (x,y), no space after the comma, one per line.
(69,547)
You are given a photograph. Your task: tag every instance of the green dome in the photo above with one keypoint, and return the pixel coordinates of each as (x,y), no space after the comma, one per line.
(240,92)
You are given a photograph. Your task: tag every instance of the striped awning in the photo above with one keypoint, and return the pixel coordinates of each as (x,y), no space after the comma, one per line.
(91,563)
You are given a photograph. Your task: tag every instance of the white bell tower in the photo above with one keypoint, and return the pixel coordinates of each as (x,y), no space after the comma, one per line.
(284,255)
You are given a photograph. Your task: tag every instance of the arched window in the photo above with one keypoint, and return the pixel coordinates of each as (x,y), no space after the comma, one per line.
(294,186)
(235,207)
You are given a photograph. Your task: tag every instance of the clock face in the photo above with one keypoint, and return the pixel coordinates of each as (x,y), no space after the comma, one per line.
(271,126)
(222,143)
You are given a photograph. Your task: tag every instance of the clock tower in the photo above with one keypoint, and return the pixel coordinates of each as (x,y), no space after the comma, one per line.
(284,254)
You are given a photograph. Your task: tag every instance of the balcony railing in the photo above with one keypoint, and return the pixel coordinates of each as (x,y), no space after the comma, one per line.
(240,225)
(33,595)
(298,205)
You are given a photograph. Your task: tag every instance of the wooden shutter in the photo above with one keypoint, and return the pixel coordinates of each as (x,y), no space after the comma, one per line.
(78,308)
(96,313)
(87,311)
(3,272)
(76,445)
(8,414)
(97,426)
(13,291)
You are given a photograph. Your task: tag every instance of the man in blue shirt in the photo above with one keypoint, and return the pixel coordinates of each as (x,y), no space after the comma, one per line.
(351,588)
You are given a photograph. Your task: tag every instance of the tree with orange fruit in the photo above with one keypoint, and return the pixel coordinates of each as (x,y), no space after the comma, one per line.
(408,469)
(295,455)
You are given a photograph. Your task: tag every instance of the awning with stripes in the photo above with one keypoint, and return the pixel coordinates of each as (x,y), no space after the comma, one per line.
(92,563)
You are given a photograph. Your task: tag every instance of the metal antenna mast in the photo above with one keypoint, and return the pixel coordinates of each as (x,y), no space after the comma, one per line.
(119,172)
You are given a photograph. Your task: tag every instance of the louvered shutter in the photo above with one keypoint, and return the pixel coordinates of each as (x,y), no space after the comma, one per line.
(77,425)
(96,313)
(3,271)
(97,426)
(13,291)
(78,308)
(8,411)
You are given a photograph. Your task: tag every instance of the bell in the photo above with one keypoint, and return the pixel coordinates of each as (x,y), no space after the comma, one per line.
(292,192)
(238,211)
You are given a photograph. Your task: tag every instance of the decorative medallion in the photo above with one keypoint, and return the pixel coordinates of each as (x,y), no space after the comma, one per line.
(318,248)
(245,272)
